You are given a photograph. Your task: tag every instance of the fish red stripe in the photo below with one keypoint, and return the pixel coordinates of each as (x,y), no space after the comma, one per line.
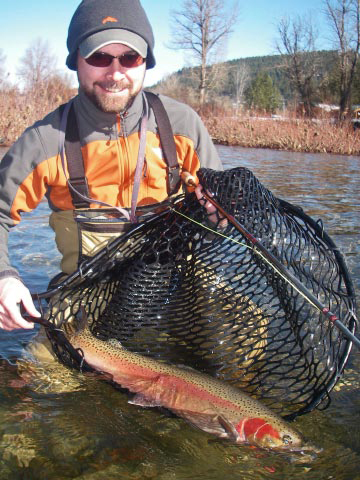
(259,428)
(170,381)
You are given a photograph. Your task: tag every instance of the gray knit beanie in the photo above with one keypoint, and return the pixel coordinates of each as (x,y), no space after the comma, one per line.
(94,16)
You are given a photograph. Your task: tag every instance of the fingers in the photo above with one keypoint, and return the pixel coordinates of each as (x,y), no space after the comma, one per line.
(13,293)
(205,203)
(213,214)
(11,319)
(28,304)
(199,192)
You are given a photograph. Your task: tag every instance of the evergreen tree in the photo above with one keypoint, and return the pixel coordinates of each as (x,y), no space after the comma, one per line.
(263,94)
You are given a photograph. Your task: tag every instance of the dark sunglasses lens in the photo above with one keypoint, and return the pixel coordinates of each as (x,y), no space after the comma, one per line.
(98,59)
(127,60)
(131,60)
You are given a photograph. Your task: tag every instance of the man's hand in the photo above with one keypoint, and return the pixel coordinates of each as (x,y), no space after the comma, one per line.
(214,216)
(13,293)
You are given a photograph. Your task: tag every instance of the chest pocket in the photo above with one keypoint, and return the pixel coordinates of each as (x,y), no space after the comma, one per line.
(97,227)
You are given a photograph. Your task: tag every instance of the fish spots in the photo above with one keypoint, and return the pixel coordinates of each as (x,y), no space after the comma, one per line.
(212,405)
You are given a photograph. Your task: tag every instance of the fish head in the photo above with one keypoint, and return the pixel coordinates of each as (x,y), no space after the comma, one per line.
(274,435)
(278,435)
(283,441)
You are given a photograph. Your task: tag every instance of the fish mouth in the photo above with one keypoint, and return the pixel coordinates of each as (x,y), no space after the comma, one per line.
(309,448)
(304,456)
(301,447)
(300,453)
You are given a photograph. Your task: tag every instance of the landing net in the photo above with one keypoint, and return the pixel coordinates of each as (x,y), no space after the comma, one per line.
(174,290)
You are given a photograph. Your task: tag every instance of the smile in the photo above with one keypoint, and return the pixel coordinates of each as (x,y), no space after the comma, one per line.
(116,90)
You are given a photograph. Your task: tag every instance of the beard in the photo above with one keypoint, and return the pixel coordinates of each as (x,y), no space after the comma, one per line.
(110,101)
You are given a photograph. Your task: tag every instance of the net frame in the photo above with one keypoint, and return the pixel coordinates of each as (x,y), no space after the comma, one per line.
(174,289)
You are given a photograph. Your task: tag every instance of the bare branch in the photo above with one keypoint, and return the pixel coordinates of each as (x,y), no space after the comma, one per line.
(344,19)
(37,65)
(202,27)
(297,45)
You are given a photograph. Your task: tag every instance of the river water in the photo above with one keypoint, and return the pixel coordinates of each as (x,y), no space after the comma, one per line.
(67,426)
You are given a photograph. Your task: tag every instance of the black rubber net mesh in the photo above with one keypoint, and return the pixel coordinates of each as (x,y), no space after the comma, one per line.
(175,289)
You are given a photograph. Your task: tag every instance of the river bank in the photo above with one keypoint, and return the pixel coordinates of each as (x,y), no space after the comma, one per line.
(295,135)
(244,130)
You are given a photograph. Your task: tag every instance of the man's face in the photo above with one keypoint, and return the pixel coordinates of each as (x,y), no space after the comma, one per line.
(113,88)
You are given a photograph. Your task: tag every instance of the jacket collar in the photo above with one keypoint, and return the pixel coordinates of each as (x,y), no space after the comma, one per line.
(103,121)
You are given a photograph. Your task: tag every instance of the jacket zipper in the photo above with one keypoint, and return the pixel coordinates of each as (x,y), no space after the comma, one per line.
(123,155)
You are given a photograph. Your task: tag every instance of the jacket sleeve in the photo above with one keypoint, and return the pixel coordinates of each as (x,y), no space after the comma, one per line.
(197,146)
(205,148)
(20,189)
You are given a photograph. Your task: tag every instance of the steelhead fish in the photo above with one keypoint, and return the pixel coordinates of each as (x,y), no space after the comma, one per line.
(206,402)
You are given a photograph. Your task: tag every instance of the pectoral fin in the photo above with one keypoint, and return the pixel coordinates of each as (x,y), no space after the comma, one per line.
(142,401)
(232,433)
(210,422)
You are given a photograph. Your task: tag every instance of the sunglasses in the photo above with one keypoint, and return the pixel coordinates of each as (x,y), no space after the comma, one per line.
(127,60)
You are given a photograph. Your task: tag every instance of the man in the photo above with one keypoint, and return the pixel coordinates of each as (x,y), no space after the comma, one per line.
(110,45)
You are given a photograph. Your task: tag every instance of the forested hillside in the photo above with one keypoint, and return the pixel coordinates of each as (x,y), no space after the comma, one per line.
(232,82)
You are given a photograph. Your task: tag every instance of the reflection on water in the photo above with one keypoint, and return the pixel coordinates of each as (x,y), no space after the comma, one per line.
(61,425)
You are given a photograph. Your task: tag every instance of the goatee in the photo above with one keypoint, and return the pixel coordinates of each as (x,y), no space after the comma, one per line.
(109,103)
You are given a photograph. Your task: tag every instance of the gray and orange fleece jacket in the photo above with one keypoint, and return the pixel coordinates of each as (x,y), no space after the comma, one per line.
(32,168)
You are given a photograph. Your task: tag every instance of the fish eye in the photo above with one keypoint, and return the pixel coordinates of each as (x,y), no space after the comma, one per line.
(287,439)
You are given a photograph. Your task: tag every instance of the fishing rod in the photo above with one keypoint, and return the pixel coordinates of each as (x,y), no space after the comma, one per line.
(260,250)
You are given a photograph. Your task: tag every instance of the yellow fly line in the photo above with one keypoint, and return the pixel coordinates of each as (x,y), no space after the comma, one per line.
(255,250)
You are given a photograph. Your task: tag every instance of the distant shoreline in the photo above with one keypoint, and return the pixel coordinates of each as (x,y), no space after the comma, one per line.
(294,135)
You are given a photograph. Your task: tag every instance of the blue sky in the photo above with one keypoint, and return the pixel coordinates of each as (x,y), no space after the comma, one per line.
(22,21)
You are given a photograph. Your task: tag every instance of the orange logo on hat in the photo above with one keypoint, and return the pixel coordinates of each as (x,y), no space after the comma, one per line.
(109,19)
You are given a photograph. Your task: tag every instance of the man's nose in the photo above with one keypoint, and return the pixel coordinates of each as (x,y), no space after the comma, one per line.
(117,75)
(116,71)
